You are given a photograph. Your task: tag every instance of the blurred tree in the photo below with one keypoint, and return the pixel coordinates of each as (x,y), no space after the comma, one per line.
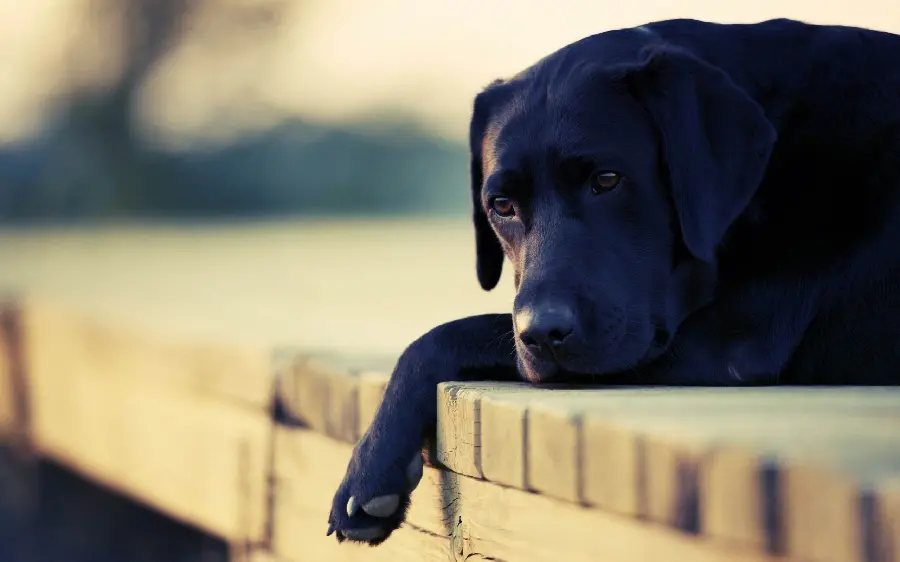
(99,129)
(92,162)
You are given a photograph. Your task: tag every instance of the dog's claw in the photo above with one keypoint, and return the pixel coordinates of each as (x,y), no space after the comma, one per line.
(414,471)
(365,534)
(382,506)
(352,506)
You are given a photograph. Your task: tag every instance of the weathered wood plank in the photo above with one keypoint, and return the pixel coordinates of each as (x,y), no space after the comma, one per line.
(483,428)
(683,436)
(554,450)
(183,428)
(462,518)
(458,441)
(504,432)
(765,477)
(334,394)
(728,473)
(696,459)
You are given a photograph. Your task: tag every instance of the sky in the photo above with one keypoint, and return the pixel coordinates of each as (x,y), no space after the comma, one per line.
(338,61)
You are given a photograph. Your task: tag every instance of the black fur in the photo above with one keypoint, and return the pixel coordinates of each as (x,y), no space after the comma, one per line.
(753,239)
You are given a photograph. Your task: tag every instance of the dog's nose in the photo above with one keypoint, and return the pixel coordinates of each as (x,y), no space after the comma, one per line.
(545,328)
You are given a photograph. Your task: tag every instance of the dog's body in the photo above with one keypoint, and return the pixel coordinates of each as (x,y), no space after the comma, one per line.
(683,203)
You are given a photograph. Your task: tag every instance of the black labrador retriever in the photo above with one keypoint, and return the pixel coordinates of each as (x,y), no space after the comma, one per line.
(684,203)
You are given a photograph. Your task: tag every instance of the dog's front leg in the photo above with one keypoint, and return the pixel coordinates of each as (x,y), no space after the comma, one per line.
(387,462)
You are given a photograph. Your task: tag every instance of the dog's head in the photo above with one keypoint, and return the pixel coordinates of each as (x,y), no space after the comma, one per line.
(608,174)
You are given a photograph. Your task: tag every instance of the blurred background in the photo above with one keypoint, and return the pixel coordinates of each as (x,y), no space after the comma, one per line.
(314,148)
(194,109)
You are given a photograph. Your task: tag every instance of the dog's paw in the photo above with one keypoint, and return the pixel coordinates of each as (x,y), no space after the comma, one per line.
(372,500)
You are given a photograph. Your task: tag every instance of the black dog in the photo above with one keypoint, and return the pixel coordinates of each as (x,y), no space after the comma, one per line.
(684,203)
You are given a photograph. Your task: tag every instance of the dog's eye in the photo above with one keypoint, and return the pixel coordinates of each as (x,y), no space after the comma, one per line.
(605,181)
(503,206)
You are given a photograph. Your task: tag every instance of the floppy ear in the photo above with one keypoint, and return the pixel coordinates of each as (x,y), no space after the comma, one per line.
(489,253)
(716,141)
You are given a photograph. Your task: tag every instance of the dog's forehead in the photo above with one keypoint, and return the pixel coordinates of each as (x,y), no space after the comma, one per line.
(577,118)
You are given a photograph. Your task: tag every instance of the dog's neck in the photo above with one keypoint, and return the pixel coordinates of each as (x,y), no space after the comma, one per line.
(691,286)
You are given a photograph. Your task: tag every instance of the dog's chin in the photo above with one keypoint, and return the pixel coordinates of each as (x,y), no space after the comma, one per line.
(605,368)
(541,371)
(534,370)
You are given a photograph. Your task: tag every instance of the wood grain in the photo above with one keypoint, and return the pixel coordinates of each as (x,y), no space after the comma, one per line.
(458,440)
(455,517)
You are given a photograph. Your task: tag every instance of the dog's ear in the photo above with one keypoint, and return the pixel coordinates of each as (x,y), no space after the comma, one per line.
(489,253)
(716,140)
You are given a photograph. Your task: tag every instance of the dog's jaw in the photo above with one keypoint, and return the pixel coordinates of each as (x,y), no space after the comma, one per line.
(529,370)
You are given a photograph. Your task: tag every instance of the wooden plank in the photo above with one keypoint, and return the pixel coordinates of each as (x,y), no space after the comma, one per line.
(613,465)
(695,459)
(62,340)
(504,433)
(465,519)
(837,490)
(259,556)
(696,475)
(813,498)
(554,450)
(8,389)
(529,439)
(322,390)
(342,405)
(483,428)
(703,412)
(15,408)
(372,385)
(569,457)
(458,439)
(165,423)
(198,460)
(730,481)
(886,543)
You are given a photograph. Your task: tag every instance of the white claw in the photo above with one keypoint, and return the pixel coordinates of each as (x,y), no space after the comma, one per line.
(414,471)
(382,506)
(352,506)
